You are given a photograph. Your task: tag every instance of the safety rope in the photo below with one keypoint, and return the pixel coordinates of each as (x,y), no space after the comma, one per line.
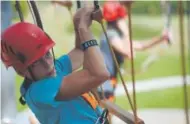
(188,29)
(18,8)
(182,51)
(117,66)
(132,63)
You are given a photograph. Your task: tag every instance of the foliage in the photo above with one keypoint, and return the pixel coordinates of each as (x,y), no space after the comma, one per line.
(154,7)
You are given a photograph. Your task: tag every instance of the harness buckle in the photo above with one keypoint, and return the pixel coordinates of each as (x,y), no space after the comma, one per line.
(103,118)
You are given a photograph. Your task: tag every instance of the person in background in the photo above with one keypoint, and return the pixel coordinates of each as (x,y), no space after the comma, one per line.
(115,15)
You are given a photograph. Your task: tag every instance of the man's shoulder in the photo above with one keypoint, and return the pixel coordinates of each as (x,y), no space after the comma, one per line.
(63,65)
(45,87)
(46,82)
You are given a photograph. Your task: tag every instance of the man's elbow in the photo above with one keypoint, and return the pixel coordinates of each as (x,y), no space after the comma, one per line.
(103,75)
(106,75)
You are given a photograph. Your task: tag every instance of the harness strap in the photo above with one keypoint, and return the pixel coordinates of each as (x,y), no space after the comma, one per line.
(113,82)
(90,99)
(103,118)
(26,85)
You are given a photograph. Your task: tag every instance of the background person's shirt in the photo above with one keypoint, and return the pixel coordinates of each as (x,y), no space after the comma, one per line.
(40,97)
(109,61)
(104,47)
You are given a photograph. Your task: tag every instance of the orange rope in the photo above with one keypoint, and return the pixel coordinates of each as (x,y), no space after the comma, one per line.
(117,66)
(182,48)
(132,64)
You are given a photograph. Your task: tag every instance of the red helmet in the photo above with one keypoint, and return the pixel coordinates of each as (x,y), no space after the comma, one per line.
(22,44)
(113,11)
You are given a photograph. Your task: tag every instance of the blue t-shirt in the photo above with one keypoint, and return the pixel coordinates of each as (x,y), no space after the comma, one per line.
(40,97)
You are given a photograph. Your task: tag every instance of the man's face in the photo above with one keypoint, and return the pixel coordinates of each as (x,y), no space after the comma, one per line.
(42,68)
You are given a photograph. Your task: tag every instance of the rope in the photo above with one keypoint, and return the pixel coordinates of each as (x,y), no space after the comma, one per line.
(18,8)
(182,48)
(188,29)
(33,16)
(132,65)
(117,66)
(37,15)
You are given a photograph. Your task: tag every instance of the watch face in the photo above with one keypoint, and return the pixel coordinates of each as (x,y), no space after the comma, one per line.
(89,43)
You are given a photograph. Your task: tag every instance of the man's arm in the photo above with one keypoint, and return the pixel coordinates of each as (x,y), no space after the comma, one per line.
(93,74)
(76,55)
(94,70)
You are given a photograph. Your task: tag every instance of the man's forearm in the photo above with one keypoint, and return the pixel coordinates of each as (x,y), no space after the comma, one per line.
(77,39)
(93,59)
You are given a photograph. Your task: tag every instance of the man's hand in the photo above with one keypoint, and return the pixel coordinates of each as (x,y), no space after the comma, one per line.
(83,16)
(97,15)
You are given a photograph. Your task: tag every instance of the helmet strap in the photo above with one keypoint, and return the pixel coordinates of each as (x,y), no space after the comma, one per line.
(32,74)
(52,48)
(53,56)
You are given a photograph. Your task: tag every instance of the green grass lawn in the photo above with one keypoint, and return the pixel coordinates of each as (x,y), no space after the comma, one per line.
(167,65)
(167,98)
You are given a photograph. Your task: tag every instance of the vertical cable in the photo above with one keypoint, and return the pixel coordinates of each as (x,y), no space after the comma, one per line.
(18,8)
(182,49)
(132,64)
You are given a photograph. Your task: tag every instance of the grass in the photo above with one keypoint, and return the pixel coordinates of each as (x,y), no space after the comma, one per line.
(167,98)
(163,67)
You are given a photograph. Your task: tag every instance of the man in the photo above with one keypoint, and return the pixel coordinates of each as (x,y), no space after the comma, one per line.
(52,88)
